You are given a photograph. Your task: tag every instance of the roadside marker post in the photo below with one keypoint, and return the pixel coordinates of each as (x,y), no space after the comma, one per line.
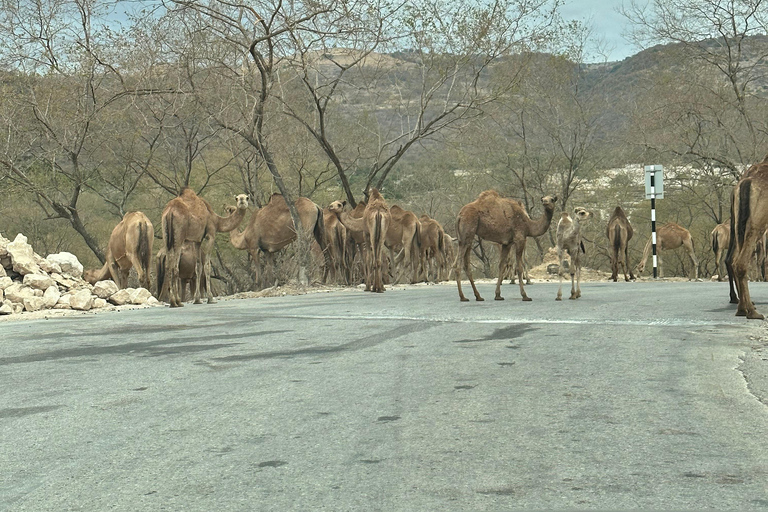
(654,177)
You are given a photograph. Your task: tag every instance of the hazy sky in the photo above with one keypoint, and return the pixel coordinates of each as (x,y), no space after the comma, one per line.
(606,23)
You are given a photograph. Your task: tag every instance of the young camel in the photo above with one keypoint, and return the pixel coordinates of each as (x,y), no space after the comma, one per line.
(403,237)
(501,220)
(432,254)
(569,240)
(670,236)
(353,222)
(619,232)
(187,271)
(336,239)
(721,238)
(189,218)
(130,246)
(270,229)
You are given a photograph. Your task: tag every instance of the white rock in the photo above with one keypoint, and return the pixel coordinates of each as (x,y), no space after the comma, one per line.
(17,307)
(152,301)
(2,271)
(48,267)
(38,293)
(65,282)
(139,295)
(6,308)
(5,282)
(51,296)
(64,301)
(99,303)
(17,292)
(70,266)
(34,304)
(38,281)
(120,297)
(81,300)
(104,289)
(22,256)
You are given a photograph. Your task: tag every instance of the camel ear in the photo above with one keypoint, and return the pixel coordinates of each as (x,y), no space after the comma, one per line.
(344,203)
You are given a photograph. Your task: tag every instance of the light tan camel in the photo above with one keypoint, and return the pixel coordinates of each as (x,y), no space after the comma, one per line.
(432,253)
(336,239)
(189,217)
(619,232)
(449,254)
(501,220)
(187,271)
(721,238)
(270,229)
(377,220)
(130,246)
(749,217)
(569,240)
(669,237)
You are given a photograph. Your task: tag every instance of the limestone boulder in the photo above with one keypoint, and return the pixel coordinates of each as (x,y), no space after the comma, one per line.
(17,292)
(105,289)
(120,298)
(81,300)
(3,273)
(38,281)
(139,295)
(99,303)
(49,267)
(32,304)
(5,282)
(66,282)
(152,301)
(51,296)
(68,262)
(22,256)
(6,308)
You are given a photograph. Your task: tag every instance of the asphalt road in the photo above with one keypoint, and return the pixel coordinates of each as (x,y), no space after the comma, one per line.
(636,396)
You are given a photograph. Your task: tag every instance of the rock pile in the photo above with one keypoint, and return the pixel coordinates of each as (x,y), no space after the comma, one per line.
(29,282)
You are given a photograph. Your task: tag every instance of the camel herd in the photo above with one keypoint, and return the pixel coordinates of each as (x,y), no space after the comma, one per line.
(393,243)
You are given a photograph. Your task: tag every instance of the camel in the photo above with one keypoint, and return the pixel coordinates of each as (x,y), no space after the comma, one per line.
(509,270)
(353,222)
(377,219)
(270,229)
(336,239)
(501,220)
(569,240)
(670,236)
(402,237)
(187,271)
(189,217)
(721,238)
(619,232)
(432,253)
(749,220)
(130,246)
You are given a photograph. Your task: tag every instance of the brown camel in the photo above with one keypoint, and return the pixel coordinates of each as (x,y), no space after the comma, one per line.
(402,237)
(187,271)
(377,220)
(130,246)
(619,232)
(749,220)
(270,229)
(569,240)
(189,217)
(501,220)
(432,253)
(449,254)
(721,238)
(336,239)
(353,222)
(670,236)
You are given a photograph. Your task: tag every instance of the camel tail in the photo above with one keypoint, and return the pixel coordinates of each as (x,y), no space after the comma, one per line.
(616,238)
(377,234)
(168,231)
(745,191)
(319,230)
(715,242)
(145,254)
(160,273)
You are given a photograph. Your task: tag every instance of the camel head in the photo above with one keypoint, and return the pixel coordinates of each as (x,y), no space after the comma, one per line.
(549,202)
(581,214)
(337,206)
(373,194)
(91,276)
(241,201)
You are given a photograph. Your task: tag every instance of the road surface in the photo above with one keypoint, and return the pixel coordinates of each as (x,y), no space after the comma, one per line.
(638,395)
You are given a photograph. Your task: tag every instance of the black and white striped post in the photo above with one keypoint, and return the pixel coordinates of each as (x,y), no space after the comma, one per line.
(652,173)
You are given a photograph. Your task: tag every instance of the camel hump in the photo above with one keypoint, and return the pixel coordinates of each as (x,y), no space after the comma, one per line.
(488,194)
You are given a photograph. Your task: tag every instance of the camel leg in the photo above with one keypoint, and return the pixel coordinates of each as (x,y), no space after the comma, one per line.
(695,262)
(519,251)
(457,271)
(576,271)
(626,262)
(741,265)
(561,259)
(172,275)
(503,258)
(256,268)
